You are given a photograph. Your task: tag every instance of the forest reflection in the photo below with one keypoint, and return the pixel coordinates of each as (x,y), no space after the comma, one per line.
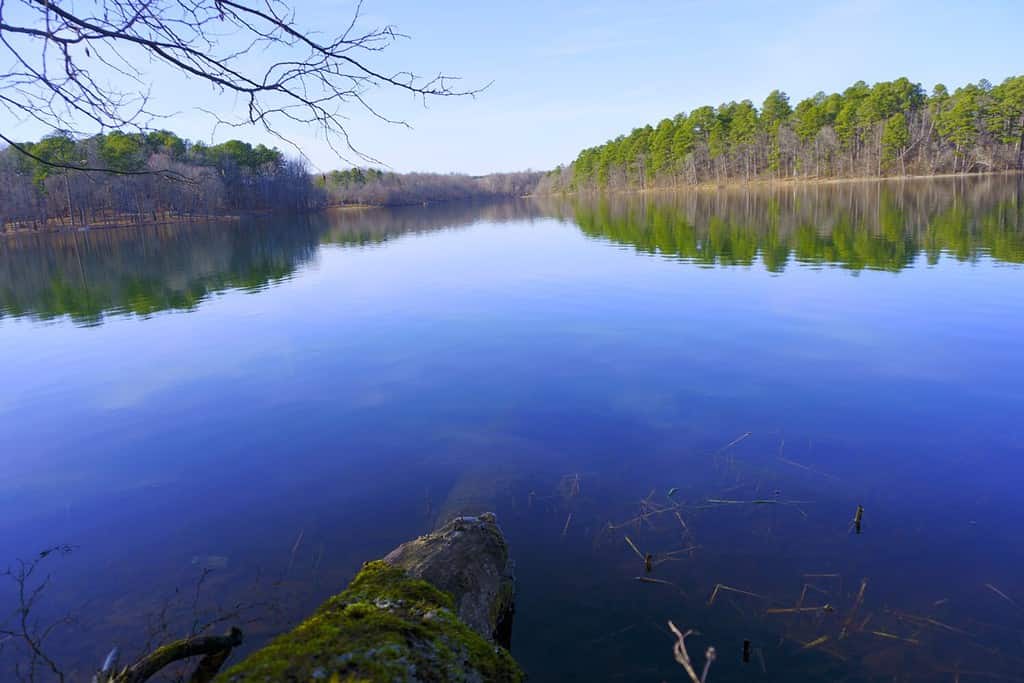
(141,271)
(872,225)
(88,276)
(376,226)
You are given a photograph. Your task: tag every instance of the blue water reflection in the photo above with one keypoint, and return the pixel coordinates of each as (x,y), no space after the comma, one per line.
(281,399)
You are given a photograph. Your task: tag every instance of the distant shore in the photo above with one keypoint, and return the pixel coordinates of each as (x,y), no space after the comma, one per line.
(760,183)
(137,221)
(110,222)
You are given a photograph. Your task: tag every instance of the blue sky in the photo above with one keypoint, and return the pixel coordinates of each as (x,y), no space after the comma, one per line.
(567,75)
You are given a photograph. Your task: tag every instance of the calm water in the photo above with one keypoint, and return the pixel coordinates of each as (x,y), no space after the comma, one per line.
(273,402)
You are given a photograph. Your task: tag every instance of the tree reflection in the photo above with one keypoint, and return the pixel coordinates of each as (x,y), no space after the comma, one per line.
(858,226)
(141,271)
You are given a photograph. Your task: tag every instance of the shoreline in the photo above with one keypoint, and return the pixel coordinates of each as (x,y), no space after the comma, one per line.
(130,220)
(778,183)
(352,207)
(124,221)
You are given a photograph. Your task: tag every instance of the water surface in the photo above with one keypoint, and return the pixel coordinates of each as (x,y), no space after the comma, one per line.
(244,412)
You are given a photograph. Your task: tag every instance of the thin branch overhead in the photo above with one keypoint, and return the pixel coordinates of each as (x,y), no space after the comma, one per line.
(84,67)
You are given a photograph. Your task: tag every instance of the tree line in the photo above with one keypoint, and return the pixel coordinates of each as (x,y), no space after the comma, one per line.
(370,186)
(889,128)
(144,176)
(158,176)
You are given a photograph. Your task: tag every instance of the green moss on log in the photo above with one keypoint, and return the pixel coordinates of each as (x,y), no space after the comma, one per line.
(385,626)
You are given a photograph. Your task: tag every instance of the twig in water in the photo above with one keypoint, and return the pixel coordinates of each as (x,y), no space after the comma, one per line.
(799,610)
(709,656)
(928,621)
(803,593)
(858,518)
(295,549)
(1001,594)
(890,636)
(837,577)
(853,611)
(794,463)
(683,657)
(565,529)
(723,587)
(633,546)
(682,523)
(732,443)
(719,502)
(816,642)
(646,510)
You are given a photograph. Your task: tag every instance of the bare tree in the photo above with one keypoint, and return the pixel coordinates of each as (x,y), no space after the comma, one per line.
(27,634)
(61,61)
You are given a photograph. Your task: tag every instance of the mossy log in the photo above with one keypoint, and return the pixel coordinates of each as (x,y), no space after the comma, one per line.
(437,608)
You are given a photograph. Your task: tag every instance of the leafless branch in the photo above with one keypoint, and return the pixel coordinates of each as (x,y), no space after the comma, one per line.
(25,629)
(63,57)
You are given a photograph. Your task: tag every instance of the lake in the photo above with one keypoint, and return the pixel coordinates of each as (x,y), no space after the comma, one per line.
(226,420)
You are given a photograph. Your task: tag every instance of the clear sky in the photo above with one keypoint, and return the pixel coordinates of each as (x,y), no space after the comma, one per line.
(570,74)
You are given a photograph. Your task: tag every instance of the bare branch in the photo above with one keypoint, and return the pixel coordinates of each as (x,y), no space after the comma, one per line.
(25,630)
(64,58)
